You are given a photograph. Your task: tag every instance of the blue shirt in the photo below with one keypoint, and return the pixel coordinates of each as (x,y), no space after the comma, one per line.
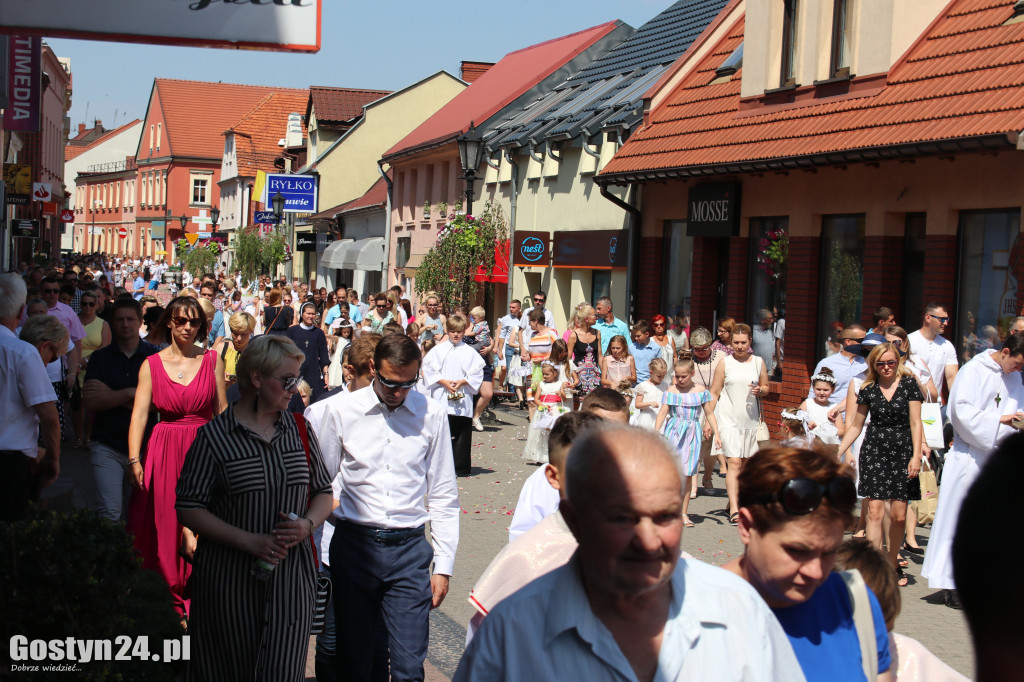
(824,637)
(844,370)
(616,328)
(140,288)
(117,371)
(334,313)
(217,326)
(642,356)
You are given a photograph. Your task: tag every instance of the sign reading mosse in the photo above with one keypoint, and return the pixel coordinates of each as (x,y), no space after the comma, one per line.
(714,210)
(284,25)
(299,192)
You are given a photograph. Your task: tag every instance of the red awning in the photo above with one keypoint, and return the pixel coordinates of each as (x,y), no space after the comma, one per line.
(500,273)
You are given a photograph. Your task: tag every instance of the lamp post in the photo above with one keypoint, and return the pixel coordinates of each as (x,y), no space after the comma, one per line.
(277,205)
(471,147)
(215,217)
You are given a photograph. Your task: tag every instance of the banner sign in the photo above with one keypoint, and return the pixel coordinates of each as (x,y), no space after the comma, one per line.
(18,179)
(283,25)
(24,76)
(265,217)
(714,210)
(299,192)
(305,241)
(531,249)
(157,229)
(594,249)
(25,228)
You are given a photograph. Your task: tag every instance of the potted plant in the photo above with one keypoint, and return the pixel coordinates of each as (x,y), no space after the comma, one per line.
(442,208)
(457,208)
(426,210)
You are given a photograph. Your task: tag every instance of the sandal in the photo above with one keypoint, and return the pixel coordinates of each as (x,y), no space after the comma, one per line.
(734,519)
(687,522)
(901,561)
(913,550)
(901,577)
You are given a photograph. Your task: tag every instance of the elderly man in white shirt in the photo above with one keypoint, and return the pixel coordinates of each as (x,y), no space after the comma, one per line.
(392,448)
(626,607)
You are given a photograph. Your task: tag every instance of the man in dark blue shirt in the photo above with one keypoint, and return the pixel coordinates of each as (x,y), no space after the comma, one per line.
(109,391)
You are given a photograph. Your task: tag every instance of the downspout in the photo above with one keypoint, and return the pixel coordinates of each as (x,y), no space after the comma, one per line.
(511,222)
(634,242)
(387,225)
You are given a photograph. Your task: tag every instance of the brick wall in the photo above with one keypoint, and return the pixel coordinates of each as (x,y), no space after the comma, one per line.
(649,277)
(939,275)
(736,287)
(883,277)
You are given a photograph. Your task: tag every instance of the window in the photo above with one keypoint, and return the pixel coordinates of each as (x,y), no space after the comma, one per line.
(200,189)
(769,254)
(676,268)
(600,284)
(987,299)
(151,139)
(159,127)
(842,272)
(402,251)
(914,243)
(789,31)
(842,38)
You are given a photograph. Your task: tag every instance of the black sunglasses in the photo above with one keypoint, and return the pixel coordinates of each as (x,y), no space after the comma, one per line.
(389,383)
(942,320)
(799,496)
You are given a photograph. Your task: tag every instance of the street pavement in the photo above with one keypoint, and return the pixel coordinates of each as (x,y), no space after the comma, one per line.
(488,499)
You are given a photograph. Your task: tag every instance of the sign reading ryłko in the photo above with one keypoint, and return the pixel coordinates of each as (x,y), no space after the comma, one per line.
(284,25)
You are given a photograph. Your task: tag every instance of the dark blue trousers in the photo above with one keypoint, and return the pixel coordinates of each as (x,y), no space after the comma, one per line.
(374,580)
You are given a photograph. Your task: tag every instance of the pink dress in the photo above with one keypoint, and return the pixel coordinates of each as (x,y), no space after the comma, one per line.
(152,519)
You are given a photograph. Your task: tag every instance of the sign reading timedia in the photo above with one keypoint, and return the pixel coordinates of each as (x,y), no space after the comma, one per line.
(714,210)
(531,249)
(24,82)
(596,249)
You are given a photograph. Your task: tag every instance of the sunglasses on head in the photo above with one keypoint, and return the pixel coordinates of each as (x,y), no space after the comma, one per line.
(799,496)
(390,383)
(182,321)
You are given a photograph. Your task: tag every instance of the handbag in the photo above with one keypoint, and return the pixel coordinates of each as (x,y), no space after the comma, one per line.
(764,436)
(931,419)
(929,502)
(323,583)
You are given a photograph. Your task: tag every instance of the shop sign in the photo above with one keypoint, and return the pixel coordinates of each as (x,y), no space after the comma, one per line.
(323,239)
(299,192)
(714,210)
(25,228)
(305,241)
(531,249)
(595,249)
(23,78)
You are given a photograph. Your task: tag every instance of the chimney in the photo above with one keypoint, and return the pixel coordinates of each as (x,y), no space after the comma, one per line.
(99,124)
(81,128)
(470,71)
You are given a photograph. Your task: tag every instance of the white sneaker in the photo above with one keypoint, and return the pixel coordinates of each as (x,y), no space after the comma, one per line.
(477,425)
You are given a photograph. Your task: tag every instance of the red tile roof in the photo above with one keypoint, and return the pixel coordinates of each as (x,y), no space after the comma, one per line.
(516,73)
(962,79)
(196,113)
(257,134)
(340,105)
(73,150)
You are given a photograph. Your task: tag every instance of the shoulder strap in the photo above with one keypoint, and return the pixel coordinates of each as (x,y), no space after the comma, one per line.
(863,621)
(300,424)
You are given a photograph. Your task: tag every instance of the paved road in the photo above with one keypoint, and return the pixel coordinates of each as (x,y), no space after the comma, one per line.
(488,498)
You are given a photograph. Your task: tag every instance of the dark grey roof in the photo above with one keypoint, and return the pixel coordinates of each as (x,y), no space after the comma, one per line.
(608,91)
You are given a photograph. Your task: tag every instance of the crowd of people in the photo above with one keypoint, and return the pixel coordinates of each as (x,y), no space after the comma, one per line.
(261,439)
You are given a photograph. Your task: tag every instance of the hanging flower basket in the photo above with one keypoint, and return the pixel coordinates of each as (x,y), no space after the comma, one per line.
(774,253)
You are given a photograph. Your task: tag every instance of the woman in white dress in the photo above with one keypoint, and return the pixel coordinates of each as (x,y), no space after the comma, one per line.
(740,380)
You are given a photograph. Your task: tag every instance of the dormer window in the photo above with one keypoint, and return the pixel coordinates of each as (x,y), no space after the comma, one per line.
(789,33)
(842,39)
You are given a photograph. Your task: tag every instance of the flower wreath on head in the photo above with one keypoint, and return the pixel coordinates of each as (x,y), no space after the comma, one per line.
(827,378)
(799,416)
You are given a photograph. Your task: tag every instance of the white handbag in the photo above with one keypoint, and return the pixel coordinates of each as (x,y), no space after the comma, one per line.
(931,419)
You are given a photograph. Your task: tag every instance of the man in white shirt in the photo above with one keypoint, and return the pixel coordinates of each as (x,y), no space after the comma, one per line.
(935,350)
(525,333)
(508,330)
(29,408)
(626,606)
(392,448)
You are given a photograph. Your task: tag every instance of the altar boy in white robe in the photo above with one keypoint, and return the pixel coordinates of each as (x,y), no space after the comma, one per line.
(986,397)
(453,373)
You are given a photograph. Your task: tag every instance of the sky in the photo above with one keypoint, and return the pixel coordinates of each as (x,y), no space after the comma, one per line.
(381,45)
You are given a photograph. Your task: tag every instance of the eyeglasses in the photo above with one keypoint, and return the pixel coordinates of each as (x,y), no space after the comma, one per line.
(942,320)
(287,383)
(659,324)
(799,496)
(886,363)
(538,299)
(382,305)
(390,383)
(854,339)
(88,305)
(183,321)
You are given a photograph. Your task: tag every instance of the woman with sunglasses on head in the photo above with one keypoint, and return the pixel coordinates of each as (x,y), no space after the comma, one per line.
(254,487)
(185,384)
(890,456)
(794,506)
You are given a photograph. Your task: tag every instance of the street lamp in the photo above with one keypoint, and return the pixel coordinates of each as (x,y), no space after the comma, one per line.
(471,146)
(215,216)
(184,222)
(277,202)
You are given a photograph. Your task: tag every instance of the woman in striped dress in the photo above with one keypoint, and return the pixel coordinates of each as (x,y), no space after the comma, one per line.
(679,421)
(253,493)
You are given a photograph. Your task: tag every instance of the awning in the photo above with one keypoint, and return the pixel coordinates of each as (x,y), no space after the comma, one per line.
(332,254)
(499,275)
(363,254)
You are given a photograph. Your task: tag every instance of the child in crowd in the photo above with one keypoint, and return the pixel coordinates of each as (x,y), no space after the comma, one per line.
(821,428)
(648,395)
(560,358)
(643,349)
(679,420)
(549,395)
(305,392)
(336,370)
(795,429)
(618,370)
(413,331)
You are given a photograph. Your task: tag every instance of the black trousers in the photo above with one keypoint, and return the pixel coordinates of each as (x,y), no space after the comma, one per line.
(18,485)
(462,443)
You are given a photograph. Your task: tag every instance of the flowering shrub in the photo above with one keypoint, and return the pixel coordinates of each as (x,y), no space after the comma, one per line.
(774,253)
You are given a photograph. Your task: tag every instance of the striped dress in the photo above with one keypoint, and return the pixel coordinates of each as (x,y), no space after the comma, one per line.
(682,427)
(242,628)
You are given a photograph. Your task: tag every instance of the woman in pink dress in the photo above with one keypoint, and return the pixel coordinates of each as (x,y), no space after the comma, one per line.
(185,384)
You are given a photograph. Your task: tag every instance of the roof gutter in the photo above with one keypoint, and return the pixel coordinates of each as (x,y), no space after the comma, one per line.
(992,141)
(514,195)
(387,223)
(634,243)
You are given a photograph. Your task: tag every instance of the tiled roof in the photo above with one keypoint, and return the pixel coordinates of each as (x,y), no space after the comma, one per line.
(609,91)
(507,80)
(962,79)
(258,133)
(73,150)
(196,113)
(340,105)
(375,196)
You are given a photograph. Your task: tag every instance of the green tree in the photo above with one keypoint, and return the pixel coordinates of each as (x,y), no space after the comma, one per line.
(256,254)
(201,258)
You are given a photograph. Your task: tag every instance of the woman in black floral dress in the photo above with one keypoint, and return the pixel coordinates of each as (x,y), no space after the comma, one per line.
(891,454)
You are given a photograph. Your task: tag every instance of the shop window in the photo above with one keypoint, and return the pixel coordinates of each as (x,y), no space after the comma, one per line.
(676,268)
(789,34)
(600,284)
(402,248)
(990,264)
(842,38)
(914,245)
(842,273)
(769,256)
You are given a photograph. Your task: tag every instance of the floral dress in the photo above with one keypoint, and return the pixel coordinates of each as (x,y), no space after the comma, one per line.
(682,427)
(888,446)
(584,357)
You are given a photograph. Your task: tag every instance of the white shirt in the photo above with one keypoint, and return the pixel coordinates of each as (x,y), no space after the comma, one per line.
(388,461)
(936,354)
(451,362)
(524,320)
(507,326)
(547,631)
(537,500)
(23,385)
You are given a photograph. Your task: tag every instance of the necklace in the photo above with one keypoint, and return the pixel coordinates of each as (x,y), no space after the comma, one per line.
(698,363)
